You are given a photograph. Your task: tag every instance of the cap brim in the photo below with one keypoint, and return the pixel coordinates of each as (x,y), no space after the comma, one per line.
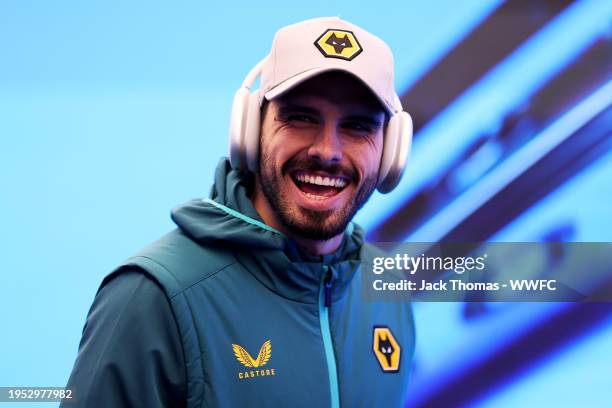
(295,80)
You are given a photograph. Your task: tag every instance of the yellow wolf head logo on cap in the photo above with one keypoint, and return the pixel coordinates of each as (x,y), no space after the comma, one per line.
(338,44)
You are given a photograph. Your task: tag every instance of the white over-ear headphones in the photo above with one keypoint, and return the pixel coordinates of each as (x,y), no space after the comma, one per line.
(245,126)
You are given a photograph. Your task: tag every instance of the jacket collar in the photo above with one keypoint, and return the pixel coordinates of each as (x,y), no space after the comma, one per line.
(229,220)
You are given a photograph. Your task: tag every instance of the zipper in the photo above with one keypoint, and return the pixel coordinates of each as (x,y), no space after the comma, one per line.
(325,290)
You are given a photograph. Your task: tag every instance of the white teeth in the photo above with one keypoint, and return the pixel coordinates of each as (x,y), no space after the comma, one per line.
(314,197)
(321,181)
(338,183)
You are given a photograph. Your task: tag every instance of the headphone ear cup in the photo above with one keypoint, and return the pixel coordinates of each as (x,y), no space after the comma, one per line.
(252,130)
(238,121)
(389,143)
(398,141)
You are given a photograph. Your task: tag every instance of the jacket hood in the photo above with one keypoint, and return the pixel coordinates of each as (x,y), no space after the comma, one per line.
(229,219)
(227,215)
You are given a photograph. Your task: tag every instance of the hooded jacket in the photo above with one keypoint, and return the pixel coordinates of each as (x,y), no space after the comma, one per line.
(262,324)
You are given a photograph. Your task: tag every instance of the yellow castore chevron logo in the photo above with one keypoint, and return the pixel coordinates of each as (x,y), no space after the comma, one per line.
(243,356)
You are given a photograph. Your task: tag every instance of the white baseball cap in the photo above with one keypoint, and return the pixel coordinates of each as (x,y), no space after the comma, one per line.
(309,48)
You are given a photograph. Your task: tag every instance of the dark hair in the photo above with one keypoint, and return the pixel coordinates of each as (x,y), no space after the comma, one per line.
(264,107)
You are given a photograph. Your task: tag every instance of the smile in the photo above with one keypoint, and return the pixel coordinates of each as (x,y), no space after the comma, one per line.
(319,186)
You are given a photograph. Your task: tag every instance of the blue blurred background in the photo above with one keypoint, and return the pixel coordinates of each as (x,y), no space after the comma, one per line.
(112,113)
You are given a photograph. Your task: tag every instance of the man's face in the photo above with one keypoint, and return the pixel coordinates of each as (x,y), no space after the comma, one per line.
(321,145)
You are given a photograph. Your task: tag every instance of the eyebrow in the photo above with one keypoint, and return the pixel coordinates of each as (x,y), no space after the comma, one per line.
(369,119)
(287,108)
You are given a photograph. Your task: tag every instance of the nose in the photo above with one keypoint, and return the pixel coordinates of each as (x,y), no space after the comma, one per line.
(326,146)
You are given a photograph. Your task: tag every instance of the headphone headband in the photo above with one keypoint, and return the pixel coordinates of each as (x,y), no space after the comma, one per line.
(253,74)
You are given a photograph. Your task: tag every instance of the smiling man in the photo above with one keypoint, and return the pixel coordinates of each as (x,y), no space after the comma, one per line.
(256,298)
(321,146)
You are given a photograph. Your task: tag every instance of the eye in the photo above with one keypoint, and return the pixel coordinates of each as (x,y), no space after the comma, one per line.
(301,118)
(357,126)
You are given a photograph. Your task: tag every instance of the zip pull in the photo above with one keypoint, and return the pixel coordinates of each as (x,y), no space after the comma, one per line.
(327,285)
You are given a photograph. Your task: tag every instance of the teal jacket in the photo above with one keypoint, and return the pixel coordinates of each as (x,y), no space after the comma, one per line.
(262,324)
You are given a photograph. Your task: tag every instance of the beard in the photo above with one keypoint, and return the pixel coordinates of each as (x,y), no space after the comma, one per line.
(306,223)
